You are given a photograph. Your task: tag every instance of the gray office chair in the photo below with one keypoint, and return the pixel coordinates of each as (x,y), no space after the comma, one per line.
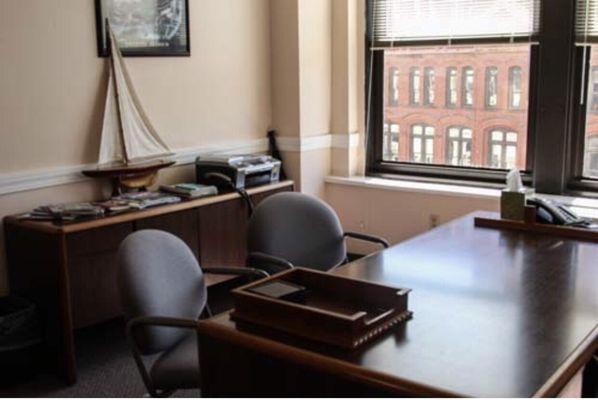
(294,229)
(163,294)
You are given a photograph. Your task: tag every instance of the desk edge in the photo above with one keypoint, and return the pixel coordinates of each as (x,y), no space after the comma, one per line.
(318,361)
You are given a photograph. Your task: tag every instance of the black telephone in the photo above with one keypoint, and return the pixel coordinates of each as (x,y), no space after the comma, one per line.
(549,212)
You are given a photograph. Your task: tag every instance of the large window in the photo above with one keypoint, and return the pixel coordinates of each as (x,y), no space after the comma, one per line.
(476,113)
(422,144)
(414,85)
(459,145)
(393,86)
(507,90)
(429,86)
(467,96)
(451,86)
(491,87)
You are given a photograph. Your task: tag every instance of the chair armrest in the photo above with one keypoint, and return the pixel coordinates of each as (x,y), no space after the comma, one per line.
(368,238)
(161,321)
(263,261)
(245,271)
(156,321)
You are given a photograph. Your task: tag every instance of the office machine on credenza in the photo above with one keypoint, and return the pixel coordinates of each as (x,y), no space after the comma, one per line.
(237,172)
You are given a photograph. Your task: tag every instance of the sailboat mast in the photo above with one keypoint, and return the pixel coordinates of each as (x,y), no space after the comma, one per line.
(121,131)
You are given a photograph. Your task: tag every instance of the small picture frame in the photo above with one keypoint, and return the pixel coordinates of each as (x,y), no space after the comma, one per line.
(150,28)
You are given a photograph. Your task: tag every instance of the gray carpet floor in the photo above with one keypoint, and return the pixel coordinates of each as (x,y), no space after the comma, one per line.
(105,366)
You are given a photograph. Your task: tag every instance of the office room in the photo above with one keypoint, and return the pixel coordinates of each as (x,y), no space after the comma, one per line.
(299,198)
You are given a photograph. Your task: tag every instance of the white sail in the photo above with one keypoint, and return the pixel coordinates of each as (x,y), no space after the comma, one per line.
(111,146)
(128,136)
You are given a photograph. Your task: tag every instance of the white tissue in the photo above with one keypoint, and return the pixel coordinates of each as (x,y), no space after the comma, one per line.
(514,183)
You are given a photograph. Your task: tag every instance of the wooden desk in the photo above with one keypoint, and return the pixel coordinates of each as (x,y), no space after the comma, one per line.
(69,271)
(496,314)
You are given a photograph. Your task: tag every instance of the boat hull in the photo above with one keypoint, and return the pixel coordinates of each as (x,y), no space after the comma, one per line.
(129,176)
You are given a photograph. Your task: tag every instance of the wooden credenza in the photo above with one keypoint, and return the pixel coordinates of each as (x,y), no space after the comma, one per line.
(70,270)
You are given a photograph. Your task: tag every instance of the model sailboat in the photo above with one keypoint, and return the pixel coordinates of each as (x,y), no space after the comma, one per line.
(131,151)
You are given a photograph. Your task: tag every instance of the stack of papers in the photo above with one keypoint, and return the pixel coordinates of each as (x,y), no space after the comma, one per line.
(190,190)
(66,212)
(143,200)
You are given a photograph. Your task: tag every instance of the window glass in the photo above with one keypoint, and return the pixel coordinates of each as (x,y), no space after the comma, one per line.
(459,146)
(415,79)
(467,86)
(451,86)
(429,88)
(590,140)
(393,86)
(391,142)
(446,76)
(422,140)
(515,86)
(503,149)
(593,92)
(491,87)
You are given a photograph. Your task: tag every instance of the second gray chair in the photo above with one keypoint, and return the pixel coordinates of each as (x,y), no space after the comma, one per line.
(294,229)
(163,294)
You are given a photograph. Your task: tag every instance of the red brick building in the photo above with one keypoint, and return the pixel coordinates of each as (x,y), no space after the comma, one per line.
(591,144)
(461,105)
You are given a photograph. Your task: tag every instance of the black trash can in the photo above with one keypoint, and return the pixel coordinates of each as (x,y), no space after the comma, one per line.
(20,338)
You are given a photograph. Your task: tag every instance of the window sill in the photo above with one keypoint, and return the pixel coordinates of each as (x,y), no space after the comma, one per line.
(584,207)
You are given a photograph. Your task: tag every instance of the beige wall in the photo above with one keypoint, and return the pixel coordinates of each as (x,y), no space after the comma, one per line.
(301,32)
(293,65)
(315,58)
(52,87)
(398,215)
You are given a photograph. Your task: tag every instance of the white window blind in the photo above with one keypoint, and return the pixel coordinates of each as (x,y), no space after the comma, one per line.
(586,21)
(432,20)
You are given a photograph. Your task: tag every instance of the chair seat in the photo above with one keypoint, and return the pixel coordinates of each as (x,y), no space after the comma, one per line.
(178,368)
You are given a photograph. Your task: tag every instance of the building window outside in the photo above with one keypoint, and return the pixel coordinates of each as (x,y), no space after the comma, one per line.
(491,87)
(422,144)
(429,86)
(591,157)
(515,86)
(393,86)
(451,86)
(503,149)
(459,145)
(594,89)
(450,64)
(415,85)
(391,142)
(467,97)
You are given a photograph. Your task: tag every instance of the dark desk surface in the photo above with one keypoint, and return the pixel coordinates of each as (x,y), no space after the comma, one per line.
(496,313)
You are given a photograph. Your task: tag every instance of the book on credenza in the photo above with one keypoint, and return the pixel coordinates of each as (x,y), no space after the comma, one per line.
(190,190)
(142,200)
(65,212)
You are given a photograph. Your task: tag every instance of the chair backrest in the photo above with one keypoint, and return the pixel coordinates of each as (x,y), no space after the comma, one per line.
(299,228)
(159,276)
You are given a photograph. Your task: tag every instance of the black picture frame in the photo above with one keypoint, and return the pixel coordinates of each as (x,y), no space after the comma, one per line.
(171,50)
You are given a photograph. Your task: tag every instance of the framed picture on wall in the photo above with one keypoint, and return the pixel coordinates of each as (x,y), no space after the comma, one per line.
(145,27)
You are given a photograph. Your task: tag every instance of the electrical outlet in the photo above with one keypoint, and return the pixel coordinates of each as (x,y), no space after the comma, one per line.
(433,221)
(362,225)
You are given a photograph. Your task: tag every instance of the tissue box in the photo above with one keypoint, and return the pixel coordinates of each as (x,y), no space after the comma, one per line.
(512,204)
